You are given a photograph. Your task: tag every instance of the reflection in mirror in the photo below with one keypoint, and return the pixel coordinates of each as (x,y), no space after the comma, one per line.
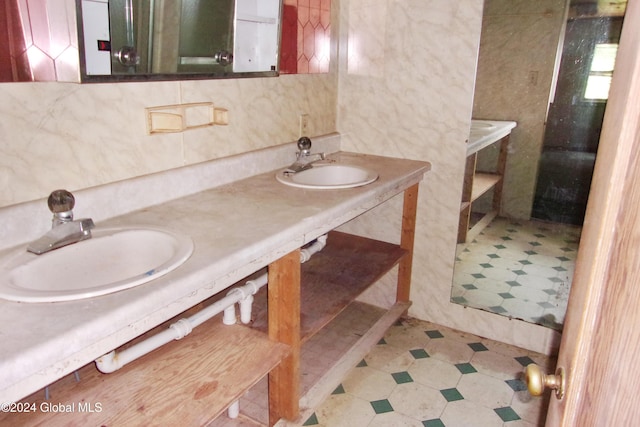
(521,264)
(168,37)
(306,37)
(40,43)
(126,39)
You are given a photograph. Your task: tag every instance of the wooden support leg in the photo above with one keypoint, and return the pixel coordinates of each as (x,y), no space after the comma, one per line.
(284,326)
(406,242)
(500,170)
(467,189)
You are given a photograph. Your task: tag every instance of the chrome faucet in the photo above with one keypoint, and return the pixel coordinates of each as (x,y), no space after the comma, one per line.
(64,229)
(304,157)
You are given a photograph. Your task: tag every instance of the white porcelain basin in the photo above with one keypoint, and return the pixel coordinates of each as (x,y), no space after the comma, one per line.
(114,259)
(330,176)
(481,125)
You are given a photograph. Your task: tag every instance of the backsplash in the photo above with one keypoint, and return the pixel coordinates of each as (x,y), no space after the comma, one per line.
(25,222)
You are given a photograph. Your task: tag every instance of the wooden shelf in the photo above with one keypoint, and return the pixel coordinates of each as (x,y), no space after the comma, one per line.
(333,278)
(339,369)
(475,185)
(483,182)
(187,382)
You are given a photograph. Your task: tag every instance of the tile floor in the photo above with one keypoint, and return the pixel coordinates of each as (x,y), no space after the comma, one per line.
(521,269)
(422,374)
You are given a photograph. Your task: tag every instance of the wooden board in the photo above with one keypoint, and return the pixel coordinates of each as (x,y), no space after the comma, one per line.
(354,355)
(284,327)
(333,278)
(482,183)
(186,382)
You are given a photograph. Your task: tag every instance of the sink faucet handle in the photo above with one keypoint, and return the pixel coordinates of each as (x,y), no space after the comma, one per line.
(304,144)
(61,201)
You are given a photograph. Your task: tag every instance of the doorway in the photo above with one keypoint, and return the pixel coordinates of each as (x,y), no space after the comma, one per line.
(575,118)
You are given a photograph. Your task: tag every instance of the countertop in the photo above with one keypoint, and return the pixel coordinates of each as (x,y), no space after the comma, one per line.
(485,132)
(237,228)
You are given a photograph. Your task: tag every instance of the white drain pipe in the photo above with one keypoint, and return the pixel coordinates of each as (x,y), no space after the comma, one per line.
(313,248)
(113,361)
(229,317)
(234,410)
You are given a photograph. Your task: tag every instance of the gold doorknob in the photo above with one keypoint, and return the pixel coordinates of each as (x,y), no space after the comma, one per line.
(537,381)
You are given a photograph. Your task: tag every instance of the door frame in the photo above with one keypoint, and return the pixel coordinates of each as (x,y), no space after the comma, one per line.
(601,334)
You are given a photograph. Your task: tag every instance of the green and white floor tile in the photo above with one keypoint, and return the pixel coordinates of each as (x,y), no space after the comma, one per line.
(421,374)
(520,269)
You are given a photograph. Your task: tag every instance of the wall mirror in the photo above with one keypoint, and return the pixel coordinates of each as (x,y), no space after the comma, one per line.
(162,39)
(128,39)
(521,264)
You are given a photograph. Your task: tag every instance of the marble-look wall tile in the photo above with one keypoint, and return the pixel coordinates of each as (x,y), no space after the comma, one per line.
(417,103)
(261,112)
(56,135)
(59,135)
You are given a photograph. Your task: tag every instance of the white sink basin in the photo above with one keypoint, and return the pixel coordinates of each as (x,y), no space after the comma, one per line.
(328,177)
(114,259)
(481,125)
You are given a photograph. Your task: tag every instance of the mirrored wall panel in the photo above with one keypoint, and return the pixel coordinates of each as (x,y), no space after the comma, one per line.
(545,65)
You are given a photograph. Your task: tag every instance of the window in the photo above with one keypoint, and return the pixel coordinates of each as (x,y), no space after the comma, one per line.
(601,71)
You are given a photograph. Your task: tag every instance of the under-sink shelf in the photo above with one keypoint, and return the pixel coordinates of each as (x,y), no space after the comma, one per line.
(326,360)
(483,182)
(187,382)
(476,184)
(333,278)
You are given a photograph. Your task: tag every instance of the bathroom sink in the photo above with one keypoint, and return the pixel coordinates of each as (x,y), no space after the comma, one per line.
(481,125)
(112,260)
(328,177)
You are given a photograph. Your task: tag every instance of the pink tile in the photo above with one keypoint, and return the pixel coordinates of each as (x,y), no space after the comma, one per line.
(303,65)
(303,14)
(325,18)
(42,66)
(309,41)
(314,16)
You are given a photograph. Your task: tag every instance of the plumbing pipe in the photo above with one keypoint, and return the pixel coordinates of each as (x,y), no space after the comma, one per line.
(234,410)
(229,315)
(245,301)
(313,248)
(245,309)
(113,361)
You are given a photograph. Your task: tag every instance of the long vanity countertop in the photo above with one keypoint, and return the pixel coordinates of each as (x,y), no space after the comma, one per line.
(237,229)
(486,132)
